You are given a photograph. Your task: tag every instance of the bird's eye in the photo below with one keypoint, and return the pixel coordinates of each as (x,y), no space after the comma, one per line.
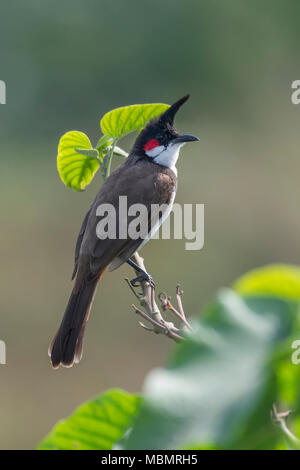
(151,144)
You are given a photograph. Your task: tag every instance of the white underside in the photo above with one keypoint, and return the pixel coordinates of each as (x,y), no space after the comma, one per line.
(165,156)
(156,226)
(118,261)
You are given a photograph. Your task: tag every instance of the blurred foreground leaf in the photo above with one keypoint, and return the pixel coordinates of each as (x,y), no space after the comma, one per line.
(219,387)
(98,424)
(278,280)
(221,383)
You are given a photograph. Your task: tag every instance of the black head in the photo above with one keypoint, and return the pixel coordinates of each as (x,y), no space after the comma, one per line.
(160,133)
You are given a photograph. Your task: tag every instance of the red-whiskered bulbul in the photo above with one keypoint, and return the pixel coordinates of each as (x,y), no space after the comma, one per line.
(148,176)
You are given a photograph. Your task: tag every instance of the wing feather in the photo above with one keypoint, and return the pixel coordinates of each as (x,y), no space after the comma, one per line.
(143,183)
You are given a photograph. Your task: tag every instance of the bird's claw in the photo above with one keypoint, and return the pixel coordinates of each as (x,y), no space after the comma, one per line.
(142,278)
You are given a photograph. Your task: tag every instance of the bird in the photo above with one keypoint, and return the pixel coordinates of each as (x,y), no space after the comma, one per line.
(148,176)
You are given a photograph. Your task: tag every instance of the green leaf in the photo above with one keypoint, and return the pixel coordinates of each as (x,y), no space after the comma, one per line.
(122,121)
(282,281)
(78,161)
(276,280)
(288,440)
(295,428)
(221,383)
(104,141)
(76,169)
(93,153)
(96,425)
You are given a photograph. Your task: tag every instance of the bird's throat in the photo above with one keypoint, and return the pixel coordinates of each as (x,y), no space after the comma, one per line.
(169,156)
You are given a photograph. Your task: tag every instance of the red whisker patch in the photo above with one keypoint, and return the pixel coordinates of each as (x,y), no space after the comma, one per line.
(151,144)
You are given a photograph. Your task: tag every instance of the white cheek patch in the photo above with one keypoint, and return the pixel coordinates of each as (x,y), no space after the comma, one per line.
(155,152)
(169,156)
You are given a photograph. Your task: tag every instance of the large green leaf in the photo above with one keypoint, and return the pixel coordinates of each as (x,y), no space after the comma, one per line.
(281,281)
(220,385)
(96,425)
(121,121)
(76,169)
(278,280)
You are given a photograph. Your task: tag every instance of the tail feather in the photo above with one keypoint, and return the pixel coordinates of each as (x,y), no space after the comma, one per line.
(66,347)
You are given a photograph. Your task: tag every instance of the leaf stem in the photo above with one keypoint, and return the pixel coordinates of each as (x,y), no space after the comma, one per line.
(109,159)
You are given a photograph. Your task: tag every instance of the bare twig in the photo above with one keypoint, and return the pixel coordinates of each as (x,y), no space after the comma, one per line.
(145,327)
(179,293)
(165,301)
(152,312)
(280,418)
(159,327)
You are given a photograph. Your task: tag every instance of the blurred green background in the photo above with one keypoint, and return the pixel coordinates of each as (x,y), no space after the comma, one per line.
(67,63)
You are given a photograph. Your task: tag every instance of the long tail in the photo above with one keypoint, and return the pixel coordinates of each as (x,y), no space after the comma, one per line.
(66,346)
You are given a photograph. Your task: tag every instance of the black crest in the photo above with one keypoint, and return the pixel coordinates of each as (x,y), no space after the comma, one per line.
(161,128)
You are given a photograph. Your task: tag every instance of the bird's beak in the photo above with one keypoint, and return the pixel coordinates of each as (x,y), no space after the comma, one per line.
(184,138)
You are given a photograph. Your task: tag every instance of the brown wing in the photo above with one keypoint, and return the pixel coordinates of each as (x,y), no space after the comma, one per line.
(164,189)
(79,242)
(144,183)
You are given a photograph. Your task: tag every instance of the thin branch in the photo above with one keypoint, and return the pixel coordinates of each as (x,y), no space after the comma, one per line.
(145,327)
(165,301)
(159,327)
(280,418)
(179,293)
(152,313)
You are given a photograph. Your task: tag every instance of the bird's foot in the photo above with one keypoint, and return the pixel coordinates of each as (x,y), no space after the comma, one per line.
(142,278)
